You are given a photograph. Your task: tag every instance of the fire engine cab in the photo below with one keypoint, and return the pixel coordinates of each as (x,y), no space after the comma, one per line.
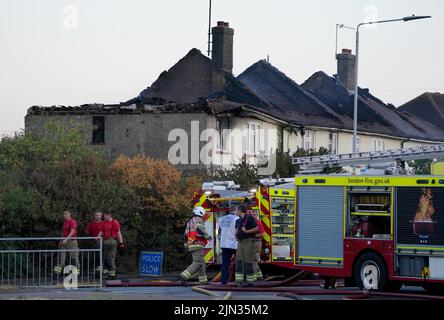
(217,197)
(273,200)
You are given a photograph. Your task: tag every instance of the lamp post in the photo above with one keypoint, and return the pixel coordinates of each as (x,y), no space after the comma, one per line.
(355,110)
(342,26)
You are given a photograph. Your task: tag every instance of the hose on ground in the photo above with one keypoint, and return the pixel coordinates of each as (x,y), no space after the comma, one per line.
(290,295)
(274,277)
(209,293)
(296,277)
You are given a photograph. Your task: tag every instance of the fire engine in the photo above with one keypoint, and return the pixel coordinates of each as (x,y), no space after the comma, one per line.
(378,231)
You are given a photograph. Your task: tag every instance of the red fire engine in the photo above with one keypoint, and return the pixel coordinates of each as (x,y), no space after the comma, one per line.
(379,231)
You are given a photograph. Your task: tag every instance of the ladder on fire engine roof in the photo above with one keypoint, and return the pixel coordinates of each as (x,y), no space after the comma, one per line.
(316,164)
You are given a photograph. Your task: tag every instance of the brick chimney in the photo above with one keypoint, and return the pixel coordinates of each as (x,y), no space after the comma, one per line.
(222,53)
(346,68)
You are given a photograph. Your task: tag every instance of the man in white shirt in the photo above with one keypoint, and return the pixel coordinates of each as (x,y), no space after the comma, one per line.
(227,238)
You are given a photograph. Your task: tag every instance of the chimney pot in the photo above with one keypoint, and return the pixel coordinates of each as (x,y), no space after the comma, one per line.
(226,24)
(346,51)
(220,23)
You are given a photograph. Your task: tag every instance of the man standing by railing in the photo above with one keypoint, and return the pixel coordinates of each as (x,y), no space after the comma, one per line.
(94,228)
(111,236)
(69,242)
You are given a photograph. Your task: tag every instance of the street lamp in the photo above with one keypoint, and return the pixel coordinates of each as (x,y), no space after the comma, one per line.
(342,26)
(355,118)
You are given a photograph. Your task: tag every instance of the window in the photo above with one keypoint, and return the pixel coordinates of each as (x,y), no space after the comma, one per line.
(378,145)
(254,131)
(309,140)
(333,143)
(98,136)
(222,127)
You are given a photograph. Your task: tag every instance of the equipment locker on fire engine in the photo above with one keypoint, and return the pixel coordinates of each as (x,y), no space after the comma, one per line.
(282,222)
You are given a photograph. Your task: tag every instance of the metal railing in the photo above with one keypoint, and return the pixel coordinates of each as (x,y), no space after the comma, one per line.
(44,262)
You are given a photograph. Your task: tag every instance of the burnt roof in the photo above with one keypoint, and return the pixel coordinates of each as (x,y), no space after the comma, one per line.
(286,98)
(373,114)
(195,84)
(428,106)
(195,77)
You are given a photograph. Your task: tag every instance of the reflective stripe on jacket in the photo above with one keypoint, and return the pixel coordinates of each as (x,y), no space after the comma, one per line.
(195,234)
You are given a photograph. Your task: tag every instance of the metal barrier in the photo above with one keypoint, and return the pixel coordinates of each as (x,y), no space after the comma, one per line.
(45,263)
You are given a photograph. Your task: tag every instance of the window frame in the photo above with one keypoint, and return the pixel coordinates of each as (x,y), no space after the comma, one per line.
(223,138)
(333,143)
(312,141)
(256,136)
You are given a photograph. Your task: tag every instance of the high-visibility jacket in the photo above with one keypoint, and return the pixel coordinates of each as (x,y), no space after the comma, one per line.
(195,234)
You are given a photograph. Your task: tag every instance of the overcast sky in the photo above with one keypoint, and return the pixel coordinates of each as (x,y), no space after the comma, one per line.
(57,52)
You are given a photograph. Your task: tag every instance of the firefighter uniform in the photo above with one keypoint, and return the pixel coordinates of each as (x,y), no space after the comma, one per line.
(245,252)
(195,241)
(110,229)
(71,245)
(257,243)
(94,228)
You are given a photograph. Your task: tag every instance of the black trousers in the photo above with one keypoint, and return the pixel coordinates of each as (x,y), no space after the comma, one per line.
(227,254)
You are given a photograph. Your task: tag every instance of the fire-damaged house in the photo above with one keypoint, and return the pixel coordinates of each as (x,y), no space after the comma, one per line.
(197,113)
(428,106)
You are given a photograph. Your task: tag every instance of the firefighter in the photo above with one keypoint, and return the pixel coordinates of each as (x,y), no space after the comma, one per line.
(94,228)
(196,239)
(228,242)
(245,250)
(69,233)
(112,238)
(257,244)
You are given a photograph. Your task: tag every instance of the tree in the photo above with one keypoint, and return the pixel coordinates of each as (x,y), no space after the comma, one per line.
(285,168)
(243,173)
(162,202)
(43,175)
(421,166)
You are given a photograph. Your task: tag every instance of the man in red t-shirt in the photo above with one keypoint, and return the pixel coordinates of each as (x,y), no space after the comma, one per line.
(69,233)
(257,240)
(94,228)
(111,234)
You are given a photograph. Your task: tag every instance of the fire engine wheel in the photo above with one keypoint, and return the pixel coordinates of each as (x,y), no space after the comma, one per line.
(370,272)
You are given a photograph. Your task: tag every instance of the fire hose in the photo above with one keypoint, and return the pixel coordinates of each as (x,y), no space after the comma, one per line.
(292,287)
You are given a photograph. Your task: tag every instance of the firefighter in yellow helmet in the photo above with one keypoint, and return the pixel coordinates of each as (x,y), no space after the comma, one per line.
(196,239)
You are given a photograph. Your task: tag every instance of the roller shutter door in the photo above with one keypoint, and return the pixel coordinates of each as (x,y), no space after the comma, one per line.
(320,224)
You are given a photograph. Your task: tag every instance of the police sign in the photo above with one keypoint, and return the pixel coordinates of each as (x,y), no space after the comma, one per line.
(150,264)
